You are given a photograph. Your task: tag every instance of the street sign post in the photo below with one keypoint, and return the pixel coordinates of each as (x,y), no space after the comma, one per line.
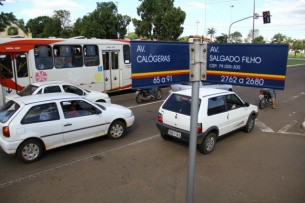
(255,65)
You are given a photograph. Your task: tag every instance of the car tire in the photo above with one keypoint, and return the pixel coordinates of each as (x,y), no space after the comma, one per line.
(165,136)
(117,130)
(250,124)
(208,144)
(30,151)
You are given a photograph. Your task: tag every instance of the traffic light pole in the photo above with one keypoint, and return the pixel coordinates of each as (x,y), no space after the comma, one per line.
(236,22)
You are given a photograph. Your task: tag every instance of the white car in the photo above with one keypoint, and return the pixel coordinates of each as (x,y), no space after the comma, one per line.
(60,86)
(220,112)
(202,84)
(32,124)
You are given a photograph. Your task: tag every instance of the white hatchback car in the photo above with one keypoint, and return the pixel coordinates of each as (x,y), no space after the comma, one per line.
(220,112)
(60,86)
(32,124)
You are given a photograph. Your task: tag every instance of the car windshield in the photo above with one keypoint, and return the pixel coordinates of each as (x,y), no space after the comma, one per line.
(8,110)
(28,90)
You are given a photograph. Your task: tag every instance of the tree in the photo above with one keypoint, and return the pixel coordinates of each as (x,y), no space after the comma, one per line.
(236,36)
(297,46)
(44,26)
(259,39)
(159,20)
(211,32)
(250,35)
(279,38)
(103,22)
(131,36)
(222,39)
(6,19)
(64,17)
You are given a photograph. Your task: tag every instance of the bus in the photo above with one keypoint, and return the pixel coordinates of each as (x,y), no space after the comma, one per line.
(94,64)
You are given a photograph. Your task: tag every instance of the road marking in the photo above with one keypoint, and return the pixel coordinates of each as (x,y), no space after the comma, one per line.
(263,127)
(35,175)
(145,104)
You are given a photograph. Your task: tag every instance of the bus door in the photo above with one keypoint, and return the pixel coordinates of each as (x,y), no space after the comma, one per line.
(111,70)
(14,73)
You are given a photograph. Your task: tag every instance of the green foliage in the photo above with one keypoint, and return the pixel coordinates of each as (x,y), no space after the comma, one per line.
(103,22)
(131,36)
(236,37)
(44,26)
(159,20)
(12,31)
(6,19)
(211,32)
(259,39)
(64,17)
(279,38)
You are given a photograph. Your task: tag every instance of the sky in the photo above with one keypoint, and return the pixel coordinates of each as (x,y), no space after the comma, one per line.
(287,17)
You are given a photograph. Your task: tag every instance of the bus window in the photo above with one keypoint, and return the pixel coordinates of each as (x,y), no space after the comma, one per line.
(126,53)
(43,57)
(6,66)
(67,56)
(106,60)
(22,69)
(91,55)
(115,60)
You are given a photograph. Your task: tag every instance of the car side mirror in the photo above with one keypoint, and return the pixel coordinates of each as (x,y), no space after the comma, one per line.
(246,104)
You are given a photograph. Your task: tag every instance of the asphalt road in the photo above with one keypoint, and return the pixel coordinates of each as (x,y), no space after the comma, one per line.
(266,165)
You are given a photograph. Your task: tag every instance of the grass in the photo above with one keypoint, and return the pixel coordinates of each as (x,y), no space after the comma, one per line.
(298,55)
(295,62)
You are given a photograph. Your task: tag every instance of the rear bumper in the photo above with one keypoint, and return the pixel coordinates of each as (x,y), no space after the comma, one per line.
(9,147)
(185,135)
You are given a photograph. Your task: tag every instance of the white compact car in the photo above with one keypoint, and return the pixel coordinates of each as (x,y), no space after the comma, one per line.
(220,112)
(32,124)
(60,86)
(202,84)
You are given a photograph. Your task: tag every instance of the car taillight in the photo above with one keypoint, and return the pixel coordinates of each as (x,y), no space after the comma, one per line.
(170,87)
(6,131)
(160,117)
(199,128)
(262,92)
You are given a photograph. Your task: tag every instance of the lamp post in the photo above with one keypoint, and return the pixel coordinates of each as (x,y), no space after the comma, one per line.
(253,22)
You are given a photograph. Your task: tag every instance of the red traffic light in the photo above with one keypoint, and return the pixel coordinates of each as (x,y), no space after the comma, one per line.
(266,17)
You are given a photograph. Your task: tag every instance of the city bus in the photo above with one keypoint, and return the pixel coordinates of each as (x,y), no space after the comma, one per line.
(94,64)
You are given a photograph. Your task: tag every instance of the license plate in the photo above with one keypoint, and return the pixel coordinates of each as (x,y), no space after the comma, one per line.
(174,133)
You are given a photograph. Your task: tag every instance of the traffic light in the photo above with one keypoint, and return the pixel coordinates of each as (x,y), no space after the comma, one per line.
(266,17)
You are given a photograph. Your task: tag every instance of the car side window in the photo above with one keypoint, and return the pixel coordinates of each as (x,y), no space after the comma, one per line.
(233,101)
(41,113)
(52,89)
(73,89)
(216,105)
(77,108)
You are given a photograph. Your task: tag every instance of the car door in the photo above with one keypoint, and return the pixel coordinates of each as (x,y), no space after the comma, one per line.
(237,114)
(43,121)
(217,114)
(82,121)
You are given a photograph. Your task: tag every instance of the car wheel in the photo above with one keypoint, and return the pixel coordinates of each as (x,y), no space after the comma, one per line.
(250,124)
(30,151)
(208,144)
(139,98)
(116,130)
(165,136)
(159,95)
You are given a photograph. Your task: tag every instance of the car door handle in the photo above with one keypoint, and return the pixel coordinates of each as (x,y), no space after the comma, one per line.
(68,124)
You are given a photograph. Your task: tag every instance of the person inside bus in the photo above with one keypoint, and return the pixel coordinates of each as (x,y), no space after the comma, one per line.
(68,63)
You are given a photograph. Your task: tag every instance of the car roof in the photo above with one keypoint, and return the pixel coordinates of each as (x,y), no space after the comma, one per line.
(203,92)
(45,97)
(39,84)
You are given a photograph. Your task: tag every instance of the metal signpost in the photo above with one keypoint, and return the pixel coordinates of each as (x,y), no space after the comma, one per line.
(165,63)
